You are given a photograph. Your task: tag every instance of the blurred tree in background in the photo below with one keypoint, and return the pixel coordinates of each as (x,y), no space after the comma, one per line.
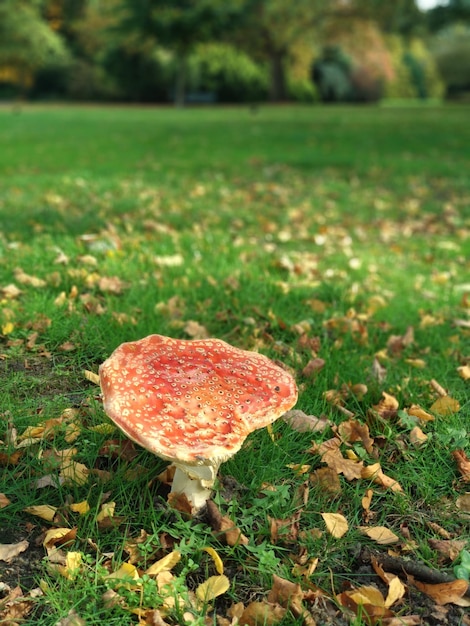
(233,50)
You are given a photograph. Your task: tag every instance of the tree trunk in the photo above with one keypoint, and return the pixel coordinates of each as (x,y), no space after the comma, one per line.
(180,83)
(277,90)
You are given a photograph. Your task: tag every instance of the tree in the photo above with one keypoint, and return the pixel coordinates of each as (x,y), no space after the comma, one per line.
(180,25)
(27,42)
(271,28)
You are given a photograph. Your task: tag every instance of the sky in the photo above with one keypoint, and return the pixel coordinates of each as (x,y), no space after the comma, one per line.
(428,4)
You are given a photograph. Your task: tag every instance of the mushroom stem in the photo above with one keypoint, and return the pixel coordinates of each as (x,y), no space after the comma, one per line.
(195,482)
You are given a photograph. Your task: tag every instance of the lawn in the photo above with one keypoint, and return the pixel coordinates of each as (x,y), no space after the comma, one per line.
(335,241)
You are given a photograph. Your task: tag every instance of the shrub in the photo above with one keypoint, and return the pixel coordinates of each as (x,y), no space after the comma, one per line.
(451,49)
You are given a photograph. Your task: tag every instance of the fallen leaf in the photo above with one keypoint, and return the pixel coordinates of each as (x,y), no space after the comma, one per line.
(353,430)
(126,576)
(380,534)
(450,549)
(367,603)
(446,593)
(91,376)
(396,591)
(464,372)
(416,411)
(303,423)
(463,502)
(375,473)
(44,511)
(211,588)
(4,501)
(219,565)
(336,524)
(224,527)
(313,367)
(463,464)
(164,564)
(72,619)
(444,406)
(327,479)
(261,613)
(417,437)
(8,551)
(196,330)
(80,507)
(107,510)
(387,407)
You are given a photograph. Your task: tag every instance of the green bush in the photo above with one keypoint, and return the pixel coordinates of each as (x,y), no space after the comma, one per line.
(228,73)
(451,49)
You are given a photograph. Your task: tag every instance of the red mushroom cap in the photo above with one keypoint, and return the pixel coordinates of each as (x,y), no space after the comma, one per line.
(193,401)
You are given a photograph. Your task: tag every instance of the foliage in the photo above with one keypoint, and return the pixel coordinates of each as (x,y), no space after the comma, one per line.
(232,75)
(26,42)
(415,73)
(451,49)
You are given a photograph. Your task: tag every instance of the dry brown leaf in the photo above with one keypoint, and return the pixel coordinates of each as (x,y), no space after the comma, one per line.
(416,411)
(27,279)
(290,595)
(224,527)
(336,524)
(327,479)
(378,371)
(313,367)
(380,534)
(4,501)
(448,548)
(261,613)
(366,602)
(8,551)
(463,464)
(387,407)
(445,593)
(463,502)
(444,406)
(331,455)
(196,330)
(353,430)
(417,437)
(303,423)
(72,619)
(111,284)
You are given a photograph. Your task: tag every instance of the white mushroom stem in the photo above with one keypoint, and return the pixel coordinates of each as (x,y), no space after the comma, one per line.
(195,482)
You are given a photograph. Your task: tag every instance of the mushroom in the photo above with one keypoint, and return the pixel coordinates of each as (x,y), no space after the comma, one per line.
(192,402)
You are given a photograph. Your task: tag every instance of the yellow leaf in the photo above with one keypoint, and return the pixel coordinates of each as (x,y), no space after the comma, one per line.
(396,590)
(416,411)
(375,473)
(73,561)
(73,472)
(8,328)
(214,586)
(219,566)
(165,564)
(336,524)
(44,511)
(445,406)
(92,377)
(445,593)
(367,595)
(80,507)
(418,363)
(380,534)
(125,575)
(107,510)
(53,535)
(464,371)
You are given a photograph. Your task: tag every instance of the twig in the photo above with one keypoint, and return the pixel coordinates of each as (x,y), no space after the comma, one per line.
(418,570)
(438,388)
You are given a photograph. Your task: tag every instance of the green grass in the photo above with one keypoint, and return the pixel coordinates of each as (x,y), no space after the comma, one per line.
(344,225)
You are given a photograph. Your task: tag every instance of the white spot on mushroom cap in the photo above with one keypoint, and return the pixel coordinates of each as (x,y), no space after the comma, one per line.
(192,400)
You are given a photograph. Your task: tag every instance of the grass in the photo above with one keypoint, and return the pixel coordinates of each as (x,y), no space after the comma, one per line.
(295,231)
